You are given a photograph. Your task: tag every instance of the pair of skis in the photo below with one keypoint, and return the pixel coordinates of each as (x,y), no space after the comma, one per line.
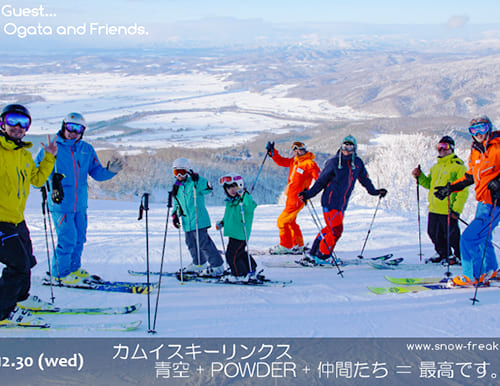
(380,262)
(97,284)
(259,281)
(55,310)
(417,284)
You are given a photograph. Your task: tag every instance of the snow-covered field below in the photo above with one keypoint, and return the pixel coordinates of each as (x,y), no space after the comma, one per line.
(319,303)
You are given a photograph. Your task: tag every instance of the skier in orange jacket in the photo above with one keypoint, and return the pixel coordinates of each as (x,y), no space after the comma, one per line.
(303,169)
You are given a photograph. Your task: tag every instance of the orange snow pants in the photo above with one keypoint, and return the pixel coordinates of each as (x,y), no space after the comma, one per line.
(332,231)
(289,230)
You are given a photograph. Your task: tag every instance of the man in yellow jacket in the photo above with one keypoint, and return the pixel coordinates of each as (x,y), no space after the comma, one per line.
(448,169)
(17,173)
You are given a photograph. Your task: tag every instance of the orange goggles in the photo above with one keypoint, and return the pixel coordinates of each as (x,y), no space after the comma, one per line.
(298,146)
(180,172)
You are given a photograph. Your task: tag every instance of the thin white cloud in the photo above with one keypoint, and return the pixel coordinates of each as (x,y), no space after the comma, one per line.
(457,21)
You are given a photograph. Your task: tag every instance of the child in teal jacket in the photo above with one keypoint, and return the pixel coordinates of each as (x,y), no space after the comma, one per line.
(237,222)
(189,192)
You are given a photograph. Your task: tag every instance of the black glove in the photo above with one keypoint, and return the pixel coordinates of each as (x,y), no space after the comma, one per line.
(441,192)
(382,192)
(270,148)
(57,188)
(176,221)
(494,187)
(303,196)
(175,189)
(194,176)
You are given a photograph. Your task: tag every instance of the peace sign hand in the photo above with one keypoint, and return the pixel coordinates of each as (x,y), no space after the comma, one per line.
(51,146)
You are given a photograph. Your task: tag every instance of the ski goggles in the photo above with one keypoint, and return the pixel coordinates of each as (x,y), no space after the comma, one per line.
(15,119)
(443,146)
(180,172)
(298,146)
(347,146)
(74,127)
(479,128)
(229,180)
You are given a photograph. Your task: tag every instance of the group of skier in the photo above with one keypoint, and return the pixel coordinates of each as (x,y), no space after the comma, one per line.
(66,177)
(76,160)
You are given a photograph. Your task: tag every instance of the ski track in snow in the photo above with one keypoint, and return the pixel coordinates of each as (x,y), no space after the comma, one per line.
(319,303)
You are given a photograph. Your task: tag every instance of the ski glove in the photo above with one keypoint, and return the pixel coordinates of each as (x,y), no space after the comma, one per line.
(219,225)
(57,188)
(441,192)
(115,165)
(270,149)
(194,176)
(303,196)
(416,172)
(177,223)
(382,192)
(494,187)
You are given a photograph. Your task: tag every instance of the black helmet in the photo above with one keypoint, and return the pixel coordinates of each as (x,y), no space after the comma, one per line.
(14,108)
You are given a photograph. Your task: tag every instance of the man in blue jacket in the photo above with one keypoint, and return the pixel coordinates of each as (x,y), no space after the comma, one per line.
(337,182)
(76,159)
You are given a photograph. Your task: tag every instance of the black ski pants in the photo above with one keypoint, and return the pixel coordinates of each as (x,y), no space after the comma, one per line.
(437,231)
(16,252)
(237,258)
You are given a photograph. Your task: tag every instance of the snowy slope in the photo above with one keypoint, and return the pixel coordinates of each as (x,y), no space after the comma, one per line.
(319,303)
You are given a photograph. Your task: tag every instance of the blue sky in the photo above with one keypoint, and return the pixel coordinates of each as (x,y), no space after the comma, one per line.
(192,23)
(290,11)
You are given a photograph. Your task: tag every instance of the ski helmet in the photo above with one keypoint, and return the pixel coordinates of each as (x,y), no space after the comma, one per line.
(297,145)
(480,125)
(15,109)
(232,178)
(74,122)
(447,139)
(181,163)
(75,118)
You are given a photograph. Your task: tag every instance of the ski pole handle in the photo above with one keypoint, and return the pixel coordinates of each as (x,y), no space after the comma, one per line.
(144,205)
(169,200)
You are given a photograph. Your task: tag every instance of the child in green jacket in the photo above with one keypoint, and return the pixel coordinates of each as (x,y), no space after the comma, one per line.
(237,222)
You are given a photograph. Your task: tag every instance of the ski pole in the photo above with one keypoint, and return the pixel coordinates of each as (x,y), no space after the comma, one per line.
(317,222)
(169,205)
(180,257)
(52,235)
(370,228)
(250,270)
(467,224)
(222,242)
(418,216)
(258,173)
(197,228)
(475,299)
(44,202)
(448,273)
(145,208)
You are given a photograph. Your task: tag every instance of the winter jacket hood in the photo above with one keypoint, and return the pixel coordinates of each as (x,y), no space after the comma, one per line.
(303,169)
(17,173)
(447,169)
(189,210)
(76,160)
(338,178)
(233,220)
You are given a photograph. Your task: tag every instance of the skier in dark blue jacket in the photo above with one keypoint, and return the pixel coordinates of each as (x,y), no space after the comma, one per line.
(337,180)
(76,160)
